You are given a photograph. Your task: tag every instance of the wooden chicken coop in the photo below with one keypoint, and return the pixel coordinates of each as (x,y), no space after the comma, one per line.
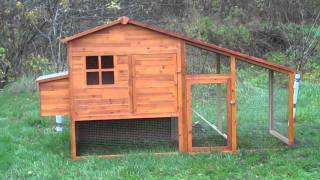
(129,86)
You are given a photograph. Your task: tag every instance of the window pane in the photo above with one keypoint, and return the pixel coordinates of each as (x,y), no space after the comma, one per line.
(92,78)
(108,77)
(106,62)
(92,62)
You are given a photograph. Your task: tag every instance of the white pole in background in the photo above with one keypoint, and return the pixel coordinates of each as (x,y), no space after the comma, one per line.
(59,119)
(295,94)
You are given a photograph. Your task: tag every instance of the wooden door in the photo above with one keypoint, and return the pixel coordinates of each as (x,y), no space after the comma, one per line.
(208,112)
(154,83)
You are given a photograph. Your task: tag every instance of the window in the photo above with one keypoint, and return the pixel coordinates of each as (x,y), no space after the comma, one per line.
(99,70)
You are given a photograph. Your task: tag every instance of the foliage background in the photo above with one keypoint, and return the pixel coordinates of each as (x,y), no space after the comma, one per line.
(286,32)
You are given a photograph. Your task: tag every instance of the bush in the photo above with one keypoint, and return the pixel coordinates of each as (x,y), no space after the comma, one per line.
(23,84)
(38,65)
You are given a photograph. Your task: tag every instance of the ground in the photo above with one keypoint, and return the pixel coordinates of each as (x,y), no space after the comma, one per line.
(31,149)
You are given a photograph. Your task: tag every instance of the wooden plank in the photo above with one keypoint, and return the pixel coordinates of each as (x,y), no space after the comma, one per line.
(290,108)
(155,90)
(134,87)
(207,149)
(156,108)
(102,107)
(131,98)
(233,104)
(208,81)
(156,77)
(279,136)
(156,97)
(98,117)
(124,52)
(181,93)
(189,115)
(103,101)
(207,76)
(121,155)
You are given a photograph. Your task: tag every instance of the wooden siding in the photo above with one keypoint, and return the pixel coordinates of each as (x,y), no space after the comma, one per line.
(100,100)
(54,97)
(145,74)
(124,40)
(155,83)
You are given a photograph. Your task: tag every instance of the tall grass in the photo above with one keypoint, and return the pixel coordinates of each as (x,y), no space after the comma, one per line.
(23,84)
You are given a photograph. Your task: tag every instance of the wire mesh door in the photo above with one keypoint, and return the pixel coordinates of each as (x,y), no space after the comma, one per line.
(280,125)
(208,112)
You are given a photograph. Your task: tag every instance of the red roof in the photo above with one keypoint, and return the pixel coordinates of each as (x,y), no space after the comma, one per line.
(189,40)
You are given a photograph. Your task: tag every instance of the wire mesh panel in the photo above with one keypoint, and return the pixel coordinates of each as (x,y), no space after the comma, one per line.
(209,115)
(105,137)
(253,107)
(200,61)
(280,97)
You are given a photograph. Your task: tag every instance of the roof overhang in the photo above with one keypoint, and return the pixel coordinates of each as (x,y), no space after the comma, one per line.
(189,40)
(52,77)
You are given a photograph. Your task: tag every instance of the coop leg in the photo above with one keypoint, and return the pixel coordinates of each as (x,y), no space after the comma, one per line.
(73,140)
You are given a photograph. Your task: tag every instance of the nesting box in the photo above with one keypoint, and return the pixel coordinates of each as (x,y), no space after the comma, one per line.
(128,88)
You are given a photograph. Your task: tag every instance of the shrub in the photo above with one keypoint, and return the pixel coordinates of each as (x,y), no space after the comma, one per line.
(23,84)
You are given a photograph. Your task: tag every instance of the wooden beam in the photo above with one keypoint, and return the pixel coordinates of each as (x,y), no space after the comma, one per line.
(122,155)
(271,101)
(182,117)
(197,78)
(279,136)
(233,104)
(206,149)
(290,109)
(189,115)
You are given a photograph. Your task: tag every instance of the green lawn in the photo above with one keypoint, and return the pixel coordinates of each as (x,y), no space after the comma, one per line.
(30,148)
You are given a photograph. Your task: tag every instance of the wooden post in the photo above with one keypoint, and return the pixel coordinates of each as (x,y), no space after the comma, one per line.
(182,119)
(271,100)
(290,110)
(233,104)
(218,97)
(72,113)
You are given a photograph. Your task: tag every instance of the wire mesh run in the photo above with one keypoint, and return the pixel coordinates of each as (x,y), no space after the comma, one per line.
(209,115)
(200,61)
(111,137)
(253,108)
(280,103)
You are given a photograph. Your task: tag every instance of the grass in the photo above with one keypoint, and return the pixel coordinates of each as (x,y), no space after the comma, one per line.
(31,149)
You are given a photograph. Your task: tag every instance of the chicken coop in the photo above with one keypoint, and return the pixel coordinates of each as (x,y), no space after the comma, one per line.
(132,87)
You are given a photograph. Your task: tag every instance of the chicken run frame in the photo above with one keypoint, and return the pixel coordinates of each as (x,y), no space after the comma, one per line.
(131,86)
